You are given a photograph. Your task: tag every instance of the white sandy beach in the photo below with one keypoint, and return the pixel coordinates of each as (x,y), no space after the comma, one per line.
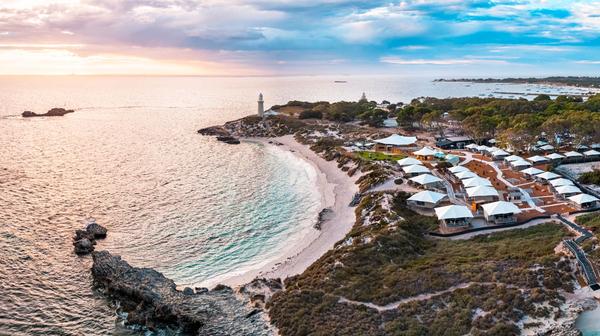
(337,190)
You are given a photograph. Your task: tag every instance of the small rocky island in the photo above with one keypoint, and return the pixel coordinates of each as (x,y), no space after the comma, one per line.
(84,240)
(151,300)
(54,112)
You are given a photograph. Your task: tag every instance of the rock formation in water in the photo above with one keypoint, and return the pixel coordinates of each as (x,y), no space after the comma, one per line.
(55,112)
(151,300)
(85,240)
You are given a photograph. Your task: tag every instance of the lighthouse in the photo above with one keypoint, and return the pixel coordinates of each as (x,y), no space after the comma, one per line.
(261,105)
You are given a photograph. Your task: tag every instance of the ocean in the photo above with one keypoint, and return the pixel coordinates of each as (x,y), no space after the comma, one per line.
(130,158)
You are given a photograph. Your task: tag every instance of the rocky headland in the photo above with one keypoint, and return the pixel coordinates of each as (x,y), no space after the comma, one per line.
(151,300)
(54,112)
(84,240)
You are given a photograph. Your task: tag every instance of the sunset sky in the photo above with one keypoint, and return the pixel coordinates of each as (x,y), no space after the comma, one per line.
(266,37)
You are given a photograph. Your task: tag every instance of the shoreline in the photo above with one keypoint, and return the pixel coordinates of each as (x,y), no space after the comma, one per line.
(336,189)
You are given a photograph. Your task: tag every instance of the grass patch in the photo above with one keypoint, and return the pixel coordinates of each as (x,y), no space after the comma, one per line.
(379,156)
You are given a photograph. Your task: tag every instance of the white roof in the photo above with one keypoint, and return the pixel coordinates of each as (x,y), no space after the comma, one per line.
(513,158)
(547,147)
(458,169)
(476,181)
(415,169)
(425,151)
(520,163)
(560,182)
(482,148)
(583,198)
(568,189)
(591,152)
(465,175)
(554,156)
(492,141)
(500,208)
(471,145)
(397,140)
(425,179)
(482,191)
(537,158)
(532,171)
(573,154)
(453,212)
(427,197)
(499,152)
(493,149)
(408,161)
(547,175)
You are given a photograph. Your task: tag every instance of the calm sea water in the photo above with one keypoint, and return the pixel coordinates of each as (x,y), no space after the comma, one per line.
(193,208)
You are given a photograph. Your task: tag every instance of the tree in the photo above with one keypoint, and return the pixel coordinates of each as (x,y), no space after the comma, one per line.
(542,97)
(374,117)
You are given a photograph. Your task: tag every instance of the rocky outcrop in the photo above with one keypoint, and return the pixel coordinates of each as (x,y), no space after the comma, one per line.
(152,301)
(228,139)
(55,112)
(84,240)
(254,126)
(260,290)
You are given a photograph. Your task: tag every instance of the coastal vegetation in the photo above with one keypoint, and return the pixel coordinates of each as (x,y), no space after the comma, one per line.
(388,261)
(363,111)
(592,177)
(379,156)
(591,82)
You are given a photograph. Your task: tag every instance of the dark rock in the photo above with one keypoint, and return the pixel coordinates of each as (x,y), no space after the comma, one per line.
(97,231)
(55,112)
(188,291)
(82,234)
(222,288)
(201,290)
(258,297)
(253,312)
(228,140)
(214,131)
(151,300)
(83,246)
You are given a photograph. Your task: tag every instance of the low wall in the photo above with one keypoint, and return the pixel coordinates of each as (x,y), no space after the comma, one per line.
(488,228)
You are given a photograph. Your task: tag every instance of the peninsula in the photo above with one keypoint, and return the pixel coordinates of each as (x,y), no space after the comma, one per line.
(590,82)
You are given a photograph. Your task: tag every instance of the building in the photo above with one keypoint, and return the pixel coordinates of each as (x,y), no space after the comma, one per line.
(395,143)
(547,176)
(476,182)
(425,153)
(454,216)
(414,170)
(592,155)
(482,194)
(531,172)
(567,191)
(572,156)
(499,154)
(426,199)
(585,201)
(519,164)
(463,175)
(512,158)
(455,142)
(427,181)
(559,182)
(536,160)
(472,147)
(408,161)
(458,169)
(261,105)
(555,157)
(500,212)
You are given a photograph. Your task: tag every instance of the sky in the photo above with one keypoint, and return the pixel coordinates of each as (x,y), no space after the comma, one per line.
(443,38)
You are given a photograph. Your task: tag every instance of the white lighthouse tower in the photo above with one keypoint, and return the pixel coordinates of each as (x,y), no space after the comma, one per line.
(261,105)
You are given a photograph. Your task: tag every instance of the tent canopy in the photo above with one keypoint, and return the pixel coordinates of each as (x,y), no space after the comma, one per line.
(520,163)
(415,169)
(397,140)
(458,169)
(453,212)
(500,208)
(591,153)
(555,156)
(482,191)
(408,161)
(465,175)
(547,175)
(425,151)
(427,197)
(559,182)
(568,189)
(583,198)
(476,181)
(425,179)
(513,158)
(573,154)
(537,158)
(532,171)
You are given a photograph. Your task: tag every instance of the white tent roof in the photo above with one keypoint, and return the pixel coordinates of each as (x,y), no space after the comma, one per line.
(458,169)
(554,156)
(573,154)
(512,158)
(425,151)
(415,169)
(408,161)
(547,147)
(492,149)
(482,191)
(567,189)
(471,146)
(425,179)
(591,152)
(482,148)
(427,197)
(532,171)
(476,181)
(465,175)
(500,208)
(559,182)
(537,158)
(499,152)
(453,212)
(547,175)
(520,163)
(583,198)
(397,140)
(492,141)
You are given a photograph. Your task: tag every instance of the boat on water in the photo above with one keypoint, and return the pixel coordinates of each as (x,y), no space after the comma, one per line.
(340,81)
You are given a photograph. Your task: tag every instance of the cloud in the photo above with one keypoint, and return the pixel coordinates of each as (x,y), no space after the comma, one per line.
(401,61)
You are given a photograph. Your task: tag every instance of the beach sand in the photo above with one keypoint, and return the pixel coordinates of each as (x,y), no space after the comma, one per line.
(337,190)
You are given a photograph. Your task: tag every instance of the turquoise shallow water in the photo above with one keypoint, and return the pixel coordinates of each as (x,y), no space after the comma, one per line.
(187,205)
